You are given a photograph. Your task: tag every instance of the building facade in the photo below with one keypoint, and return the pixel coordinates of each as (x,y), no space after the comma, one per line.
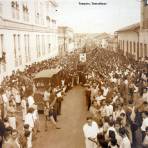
(128,40)
(28,33)
(133,39)
(101,40)
(80,40)
(113,43)
(65,39)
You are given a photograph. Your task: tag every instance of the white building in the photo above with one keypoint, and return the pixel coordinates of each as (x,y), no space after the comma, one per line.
(101,40)
(113,43)
(65,39)
(28,33)
(80,40)
(133,39)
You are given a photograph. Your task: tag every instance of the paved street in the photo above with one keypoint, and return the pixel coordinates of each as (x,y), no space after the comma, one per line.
(71,121)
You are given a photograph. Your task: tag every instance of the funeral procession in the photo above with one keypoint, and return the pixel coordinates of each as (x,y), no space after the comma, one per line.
(73,74)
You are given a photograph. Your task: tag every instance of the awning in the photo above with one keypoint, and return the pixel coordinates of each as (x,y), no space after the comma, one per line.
(47,73)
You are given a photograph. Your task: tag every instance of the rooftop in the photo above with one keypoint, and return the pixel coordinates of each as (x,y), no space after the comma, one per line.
(132,27)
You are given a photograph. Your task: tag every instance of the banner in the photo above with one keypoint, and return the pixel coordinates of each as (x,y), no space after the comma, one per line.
(82,57)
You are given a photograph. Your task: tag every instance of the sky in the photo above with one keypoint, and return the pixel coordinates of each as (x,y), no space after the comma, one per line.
(97,18)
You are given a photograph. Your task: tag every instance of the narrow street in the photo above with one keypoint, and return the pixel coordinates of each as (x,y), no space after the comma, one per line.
(71,121)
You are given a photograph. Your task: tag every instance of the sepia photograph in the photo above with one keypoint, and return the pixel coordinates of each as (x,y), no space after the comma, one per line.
(73,73)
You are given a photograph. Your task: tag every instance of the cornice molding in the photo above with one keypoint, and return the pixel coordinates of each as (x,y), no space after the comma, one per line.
(20,26)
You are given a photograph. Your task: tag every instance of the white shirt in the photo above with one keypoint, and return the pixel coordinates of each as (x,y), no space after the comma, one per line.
(59,94)
(114,80)
(46,96)
(23,104)
(30,101)
(99,98)
(90,131)
(111,74)
(135,89)
(144,124)
(118,81)
(143,76)
(29,120)
(17,98)
(145,97)
(94,92)
(63,82)
(103,111)
(125,143)
(115,98)
(109,110)
(115,115)
(126,82)
(8,93)
(145,141)
(5,99)
(105,91)
(35,115)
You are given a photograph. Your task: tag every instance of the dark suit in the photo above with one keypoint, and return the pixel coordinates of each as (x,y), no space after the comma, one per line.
(2,132)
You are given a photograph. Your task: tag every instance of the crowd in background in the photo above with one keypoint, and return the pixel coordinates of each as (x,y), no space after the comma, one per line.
(117,100)
(17,96)
(114,85)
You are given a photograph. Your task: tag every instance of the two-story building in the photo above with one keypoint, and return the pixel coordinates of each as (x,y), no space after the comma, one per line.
(28,33)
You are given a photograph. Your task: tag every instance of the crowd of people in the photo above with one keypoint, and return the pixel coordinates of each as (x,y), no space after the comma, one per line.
(114,85)
(117,101)
(17,95)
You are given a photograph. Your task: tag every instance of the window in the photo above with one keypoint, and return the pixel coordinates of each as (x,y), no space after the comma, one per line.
(134,47)
(1,45)
(1,8)
(127,46)
(48,20)
(123,45)
(14,49)
(145,50)
(25,12)
(141,50)
(29,54)
(15,9)
(130,47)
(2,55)
(42,11)
(54,21)
(120,44)
(37,18)
(146,2)
(37,13)
(43,45)
(53,25)
(38,46)
(137,50)
(49,47)
(49,44)
(27,48)
(19,51)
